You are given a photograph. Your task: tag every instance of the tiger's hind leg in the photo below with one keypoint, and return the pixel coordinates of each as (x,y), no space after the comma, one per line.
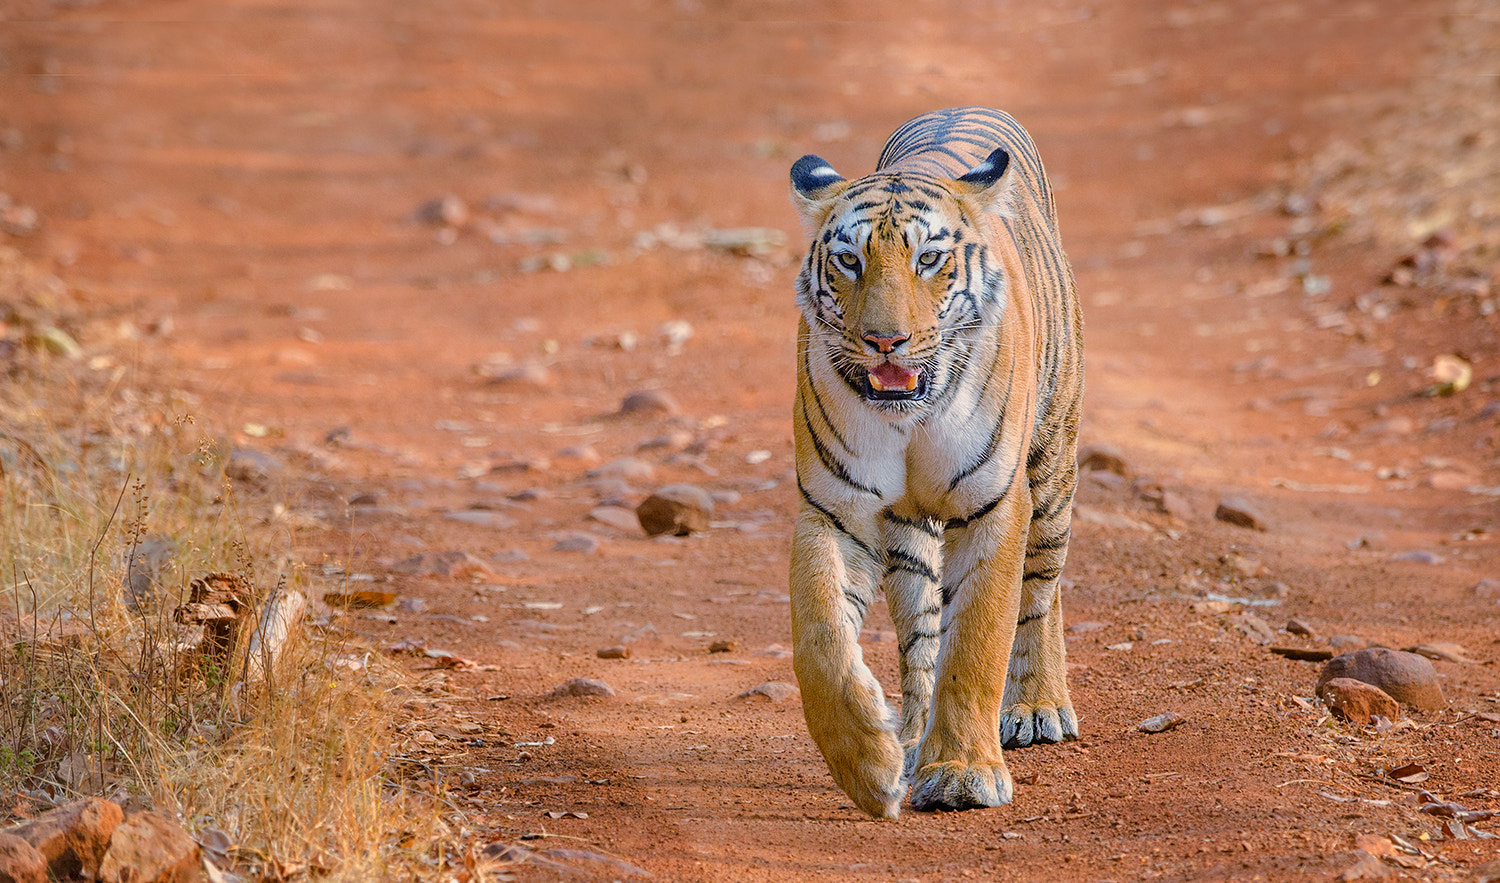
(913,572)
(1037,707)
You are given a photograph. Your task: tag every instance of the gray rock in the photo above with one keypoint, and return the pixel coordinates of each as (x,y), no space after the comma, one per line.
(1085,627)
(581,543)
(1240,512)
(1418,556)
(770,691)
(480,518)
(582,687)
(252,467)
(1161,723)
(625,469)
(149,562)
(676,509)
(1301,627)
(1408,678)
(617,517)
(1487,589)
(649,401)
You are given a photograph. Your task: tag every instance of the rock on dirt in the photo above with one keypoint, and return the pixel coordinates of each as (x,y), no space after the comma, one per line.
(72,838)
(1253,627)
(1102,458)
(616,652)
(150,846)
(1240,512)
(20,862)
(1406,677)
(617,517)
(1487,589)
(149,562)
(255,468)
(581,543)
(581,687)
(1161,723)
(1442,650)
(649,401)
(676,509)
(454,563)
(1357,701)
(1298,626)
(770,691)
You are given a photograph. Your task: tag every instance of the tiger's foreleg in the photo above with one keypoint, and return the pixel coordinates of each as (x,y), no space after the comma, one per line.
(959,762)
(1038,708)
(833,578)
(913,574)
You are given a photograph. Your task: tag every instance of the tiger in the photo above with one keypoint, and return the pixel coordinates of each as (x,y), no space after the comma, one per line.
(939,386)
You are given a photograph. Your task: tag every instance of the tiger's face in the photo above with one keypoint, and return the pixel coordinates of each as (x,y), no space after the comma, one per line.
(899,276)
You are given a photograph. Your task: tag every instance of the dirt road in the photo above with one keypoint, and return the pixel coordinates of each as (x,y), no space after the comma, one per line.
(255,196)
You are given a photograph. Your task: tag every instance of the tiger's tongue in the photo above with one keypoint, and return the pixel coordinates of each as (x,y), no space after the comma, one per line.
(891,376)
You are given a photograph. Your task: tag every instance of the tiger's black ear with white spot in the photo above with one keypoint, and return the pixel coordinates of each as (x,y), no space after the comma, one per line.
(814,186)
(988,182)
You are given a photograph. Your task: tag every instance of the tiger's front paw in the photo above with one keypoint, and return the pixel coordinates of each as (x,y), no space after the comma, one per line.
(868,769)
(1022,725)
(956,784)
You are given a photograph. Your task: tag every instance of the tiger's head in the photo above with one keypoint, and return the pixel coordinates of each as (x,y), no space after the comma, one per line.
(899,276)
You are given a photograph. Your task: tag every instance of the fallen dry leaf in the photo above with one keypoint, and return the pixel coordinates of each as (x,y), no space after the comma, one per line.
(1411,773)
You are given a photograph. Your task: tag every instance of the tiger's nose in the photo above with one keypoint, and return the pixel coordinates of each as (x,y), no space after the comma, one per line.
(885,342)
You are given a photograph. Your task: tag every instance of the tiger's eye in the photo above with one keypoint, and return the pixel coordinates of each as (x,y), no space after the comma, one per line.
(849,260)
(929,259)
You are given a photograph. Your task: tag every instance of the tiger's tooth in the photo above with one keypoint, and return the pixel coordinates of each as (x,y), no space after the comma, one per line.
(911,383)
(876,385)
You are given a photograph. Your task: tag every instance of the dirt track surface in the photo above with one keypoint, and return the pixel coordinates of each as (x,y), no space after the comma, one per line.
(249,190)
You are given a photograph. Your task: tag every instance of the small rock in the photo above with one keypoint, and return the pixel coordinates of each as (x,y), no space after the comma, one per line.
(616,652)
(1443,651)
(774,651)
(481,518)
(676,509)
(150,846)
(1239,512)
(1161,723)
(252,467)
(770,691)
(20,862)
(1406,677)
(1085,627)
(1177,506)
(582,687)
(528,374)
(1366,867)
(649,401)
(1487,589)
(671,441)
(1339,642)
(1253,627)
(674,333)
(1357,701)
(448,209)
(617,517)
(149,562)
(1418,556)
(582,454)
(580,543)
(1102,458)
(412,605)
(1301,627)
(1211,608)
(723,646)
(624,469)
(73,837)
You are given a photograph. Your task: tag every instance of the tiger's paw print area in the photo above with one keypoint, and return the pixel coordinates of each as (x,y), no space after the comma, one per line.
(460,294)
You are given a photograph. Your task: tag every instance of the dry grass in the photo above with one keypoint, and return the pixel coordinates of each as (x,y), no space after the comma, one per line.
(103,488)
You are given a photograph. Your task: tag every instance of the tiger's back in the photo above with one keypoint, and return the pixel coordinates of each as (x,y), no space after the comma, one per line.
(940,380)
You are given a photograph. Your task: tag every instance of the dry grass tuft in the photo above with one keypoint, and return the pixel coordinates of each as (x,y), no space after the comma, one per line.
(112,500)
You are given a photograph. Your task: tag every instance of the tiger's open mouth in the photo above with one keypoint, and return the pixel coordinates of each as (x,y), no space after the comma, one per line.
(891,382)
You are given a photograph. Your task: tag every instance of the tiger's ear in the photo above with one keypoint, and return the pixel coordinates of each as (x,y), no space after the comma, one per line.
(814,186)
(989,182)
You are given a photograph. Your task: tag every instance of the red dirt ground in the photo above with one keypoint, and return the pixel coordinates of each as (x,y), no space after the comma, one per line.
(244,185)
